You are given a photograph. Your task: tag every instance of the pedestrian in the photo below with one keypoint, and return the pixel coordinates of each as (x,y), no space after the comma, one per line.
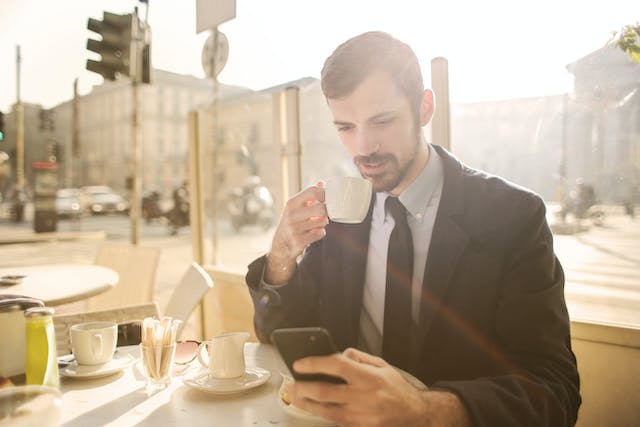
(485,326)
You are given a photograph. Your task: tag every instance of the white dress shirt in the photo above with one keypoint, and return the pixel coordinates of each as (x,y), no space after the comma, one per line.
(421,200)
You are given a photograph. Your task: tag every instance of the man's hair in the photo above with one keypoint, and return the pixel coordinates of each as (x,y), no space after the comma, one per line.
(354,60)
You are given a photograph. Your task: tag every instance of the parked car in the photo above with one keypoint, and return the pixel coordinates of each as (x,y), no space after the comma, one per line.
(101,199)
(68,204)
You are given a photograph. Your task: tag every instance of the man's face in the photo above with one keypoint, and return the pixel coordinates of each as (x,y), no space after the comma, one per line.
(377,127)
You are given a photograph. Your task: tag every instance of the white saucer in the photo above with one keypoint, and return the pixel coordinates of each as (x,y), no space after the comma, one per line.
(200,380)
(119,362)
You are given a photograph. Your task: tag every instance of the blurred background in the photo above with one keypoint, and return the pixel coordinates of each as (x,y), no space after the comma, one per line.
(537,95)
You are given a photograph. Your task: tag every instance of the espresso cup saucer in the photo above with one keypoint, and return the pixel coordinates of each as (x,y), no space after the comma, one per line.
(119,362)
(201,380)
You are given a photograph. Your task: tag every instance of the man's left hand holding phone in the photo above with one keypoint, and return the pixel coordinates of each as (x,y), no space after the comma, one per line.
(354,387)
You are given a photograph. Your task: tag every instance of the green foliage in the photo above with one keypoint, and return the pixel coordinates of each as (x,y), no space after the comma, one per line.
(628,39)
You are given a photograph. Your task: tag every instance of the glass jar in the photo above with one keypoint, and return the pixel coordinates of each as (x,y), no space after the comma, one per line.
(41,362)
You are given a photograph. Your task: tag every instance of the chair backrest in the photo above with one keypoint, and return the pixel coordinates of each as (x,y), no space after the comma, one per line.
(63,322)
(186,296)
(228,306)
(136,266)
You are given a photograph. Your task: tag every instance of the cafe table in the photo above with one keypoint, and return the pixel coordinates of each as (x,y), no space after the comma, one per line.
(122,399)
(57,284)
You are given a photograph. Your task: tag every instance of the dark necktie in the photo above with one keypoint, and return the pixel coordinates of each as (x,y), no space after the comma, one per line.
(397,301)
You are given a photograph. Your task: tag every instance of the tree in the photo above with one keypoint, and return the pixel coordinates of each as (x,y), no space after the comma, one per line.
(628,39)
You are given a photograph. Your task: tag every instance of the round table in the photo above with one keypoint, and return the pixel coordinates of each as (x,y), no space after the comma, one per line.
(58,284)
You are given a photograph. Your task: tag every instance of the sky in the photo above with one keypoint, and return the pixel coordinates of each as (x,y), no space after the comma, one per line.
(496,49)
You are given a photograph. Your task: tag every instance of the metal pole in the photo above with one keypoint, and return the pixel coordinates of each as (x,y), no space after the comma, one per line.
(134,211)
(19,127)
(74,170)
(214,187)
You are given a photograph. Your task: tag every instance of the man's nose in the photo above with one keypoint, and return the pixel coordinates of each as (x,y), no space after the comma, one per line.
(366,144)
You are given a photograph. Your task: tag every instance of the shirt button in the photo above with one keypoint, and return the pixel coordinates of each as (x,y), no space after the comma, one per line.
(419,216)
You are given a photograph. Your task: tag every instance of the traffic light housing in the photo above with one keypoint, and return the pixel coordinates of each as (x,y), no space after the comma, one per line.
(117,47)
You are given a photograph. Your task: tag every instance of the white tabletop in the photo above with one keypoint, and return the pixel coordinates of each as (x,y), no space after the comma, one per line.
(121,399)
(57,284)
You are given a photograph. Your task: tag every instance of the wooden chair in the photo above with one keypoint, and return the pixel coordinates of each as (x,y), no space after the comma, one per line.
(136,266)
(63,322)
(189,292)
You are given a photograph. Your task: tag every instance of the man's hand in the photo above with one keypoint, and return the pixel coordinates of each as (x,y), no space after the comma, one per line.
(376,394)
(302,222)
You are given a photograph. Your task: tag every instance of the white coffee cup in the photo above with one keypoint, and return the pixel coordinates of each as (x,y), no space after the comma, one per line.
(225,355)
(347,199)
(94,343)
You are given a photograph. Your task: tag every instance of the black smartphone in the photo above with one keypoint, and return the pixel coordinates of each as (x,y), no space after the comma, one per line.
(297,343)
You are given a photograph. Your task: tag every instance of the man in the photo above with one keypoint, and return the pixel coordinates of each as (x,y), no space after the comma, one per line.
(487,328)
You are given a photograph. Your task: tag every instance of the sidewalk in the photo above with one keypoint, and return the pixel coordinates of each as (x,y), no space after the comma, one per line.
(12,232)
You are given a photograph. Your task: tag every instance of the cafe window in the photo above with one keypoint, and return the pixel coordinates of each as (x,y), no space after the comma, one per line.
(577,145)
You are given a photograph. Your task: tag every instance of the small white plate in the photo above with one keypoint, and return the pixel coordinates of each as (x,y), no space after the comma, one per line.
(119,362)
(301,414)
(200,380)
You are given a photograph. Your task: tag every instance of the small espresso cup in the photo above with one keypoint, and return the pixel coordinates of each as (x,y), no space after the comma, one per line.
(93,343)
(225,355)
(347,199)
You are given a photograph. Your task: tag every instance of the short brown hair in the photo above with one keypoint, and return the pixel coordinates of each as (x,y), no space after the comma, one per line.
(359,56)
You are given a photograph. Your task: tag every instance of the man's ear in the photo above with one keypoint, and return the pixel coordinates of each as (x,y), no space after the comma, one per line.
(427,107)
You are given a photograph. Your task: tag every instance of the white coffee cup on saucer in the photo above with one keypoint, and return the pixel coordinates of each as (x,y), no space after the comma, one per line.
(93,343)
(347,199)
(225,355)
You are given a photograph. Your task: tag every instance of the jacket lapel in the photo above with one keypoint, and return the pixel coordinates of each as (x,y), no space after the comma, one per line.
(448,242)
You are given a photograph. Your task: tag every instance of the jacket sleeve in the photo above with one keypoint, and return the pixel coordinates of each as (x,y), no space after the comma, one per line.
(540,385)
(291,305)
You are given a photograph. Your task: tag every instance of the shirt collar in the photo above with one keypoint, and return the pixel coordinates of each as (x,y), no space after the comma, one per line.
(419,193)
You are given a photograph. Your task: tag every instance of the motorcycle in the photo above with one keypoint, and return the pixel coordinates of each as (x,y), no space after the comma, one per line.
(178,216)
(251,204)
(151,207)
(581,204)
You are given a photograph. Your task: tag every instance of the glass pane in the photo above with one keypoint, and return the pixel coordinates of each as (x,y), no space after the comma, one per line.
(581,152)
(241,179)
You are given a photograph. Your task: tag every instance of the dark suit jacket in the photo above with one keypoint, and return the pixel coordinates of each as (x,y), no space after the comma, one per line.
(493,323)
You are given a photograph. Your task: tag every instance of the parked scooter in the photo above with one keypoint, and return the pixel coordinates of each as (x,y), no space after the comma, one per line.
(151,207)
(178,216)
(582,204)
(251,204)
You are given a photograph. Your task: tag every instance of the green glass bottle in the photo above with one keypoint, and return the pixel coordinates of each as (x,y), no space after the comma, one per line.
(41,363)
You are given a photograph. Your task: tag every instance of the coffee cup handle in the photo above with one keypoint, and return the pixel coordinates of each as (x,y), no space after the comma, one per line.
(96,344)
(200,358)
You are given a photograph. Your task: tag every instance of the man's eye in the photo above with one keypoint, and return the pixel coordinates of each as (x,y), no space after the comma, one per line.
(344,128)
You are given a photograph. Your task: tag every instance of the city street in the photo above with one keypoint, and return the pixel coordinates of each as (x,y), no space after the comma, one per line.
(602,264)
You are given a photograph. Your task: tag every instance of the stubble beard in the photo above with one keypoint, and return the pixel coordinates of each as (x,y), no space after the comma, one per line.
(396,169)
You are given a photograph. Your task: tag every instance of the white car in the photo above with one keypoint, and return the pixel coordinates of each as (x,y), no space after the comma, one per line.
(68,204)
(101,199)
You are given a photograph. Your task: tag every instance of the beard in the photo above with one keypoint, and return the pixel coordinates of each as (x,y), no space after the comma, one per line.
(394,171)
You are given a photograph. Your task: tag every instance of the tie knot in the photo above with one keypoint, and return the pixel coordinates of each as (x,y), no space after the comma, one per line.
(397,209)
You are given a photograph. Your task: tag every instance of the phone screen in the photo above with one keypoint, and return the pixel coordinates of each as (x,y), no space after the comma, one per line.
(297,343)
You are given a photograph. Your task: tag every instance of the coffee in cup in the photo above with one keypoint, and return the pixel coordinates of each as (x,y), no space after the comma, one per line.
(93,343)
(347,199)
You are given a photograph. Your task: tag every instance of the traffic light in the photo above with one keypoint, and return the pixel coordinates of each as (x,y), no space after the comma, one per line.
(1,126)
(117,47)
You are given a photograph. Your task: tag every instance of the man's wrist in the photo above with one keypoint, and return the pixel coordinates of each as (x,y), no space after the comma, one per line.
(278,270)
(444,408)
